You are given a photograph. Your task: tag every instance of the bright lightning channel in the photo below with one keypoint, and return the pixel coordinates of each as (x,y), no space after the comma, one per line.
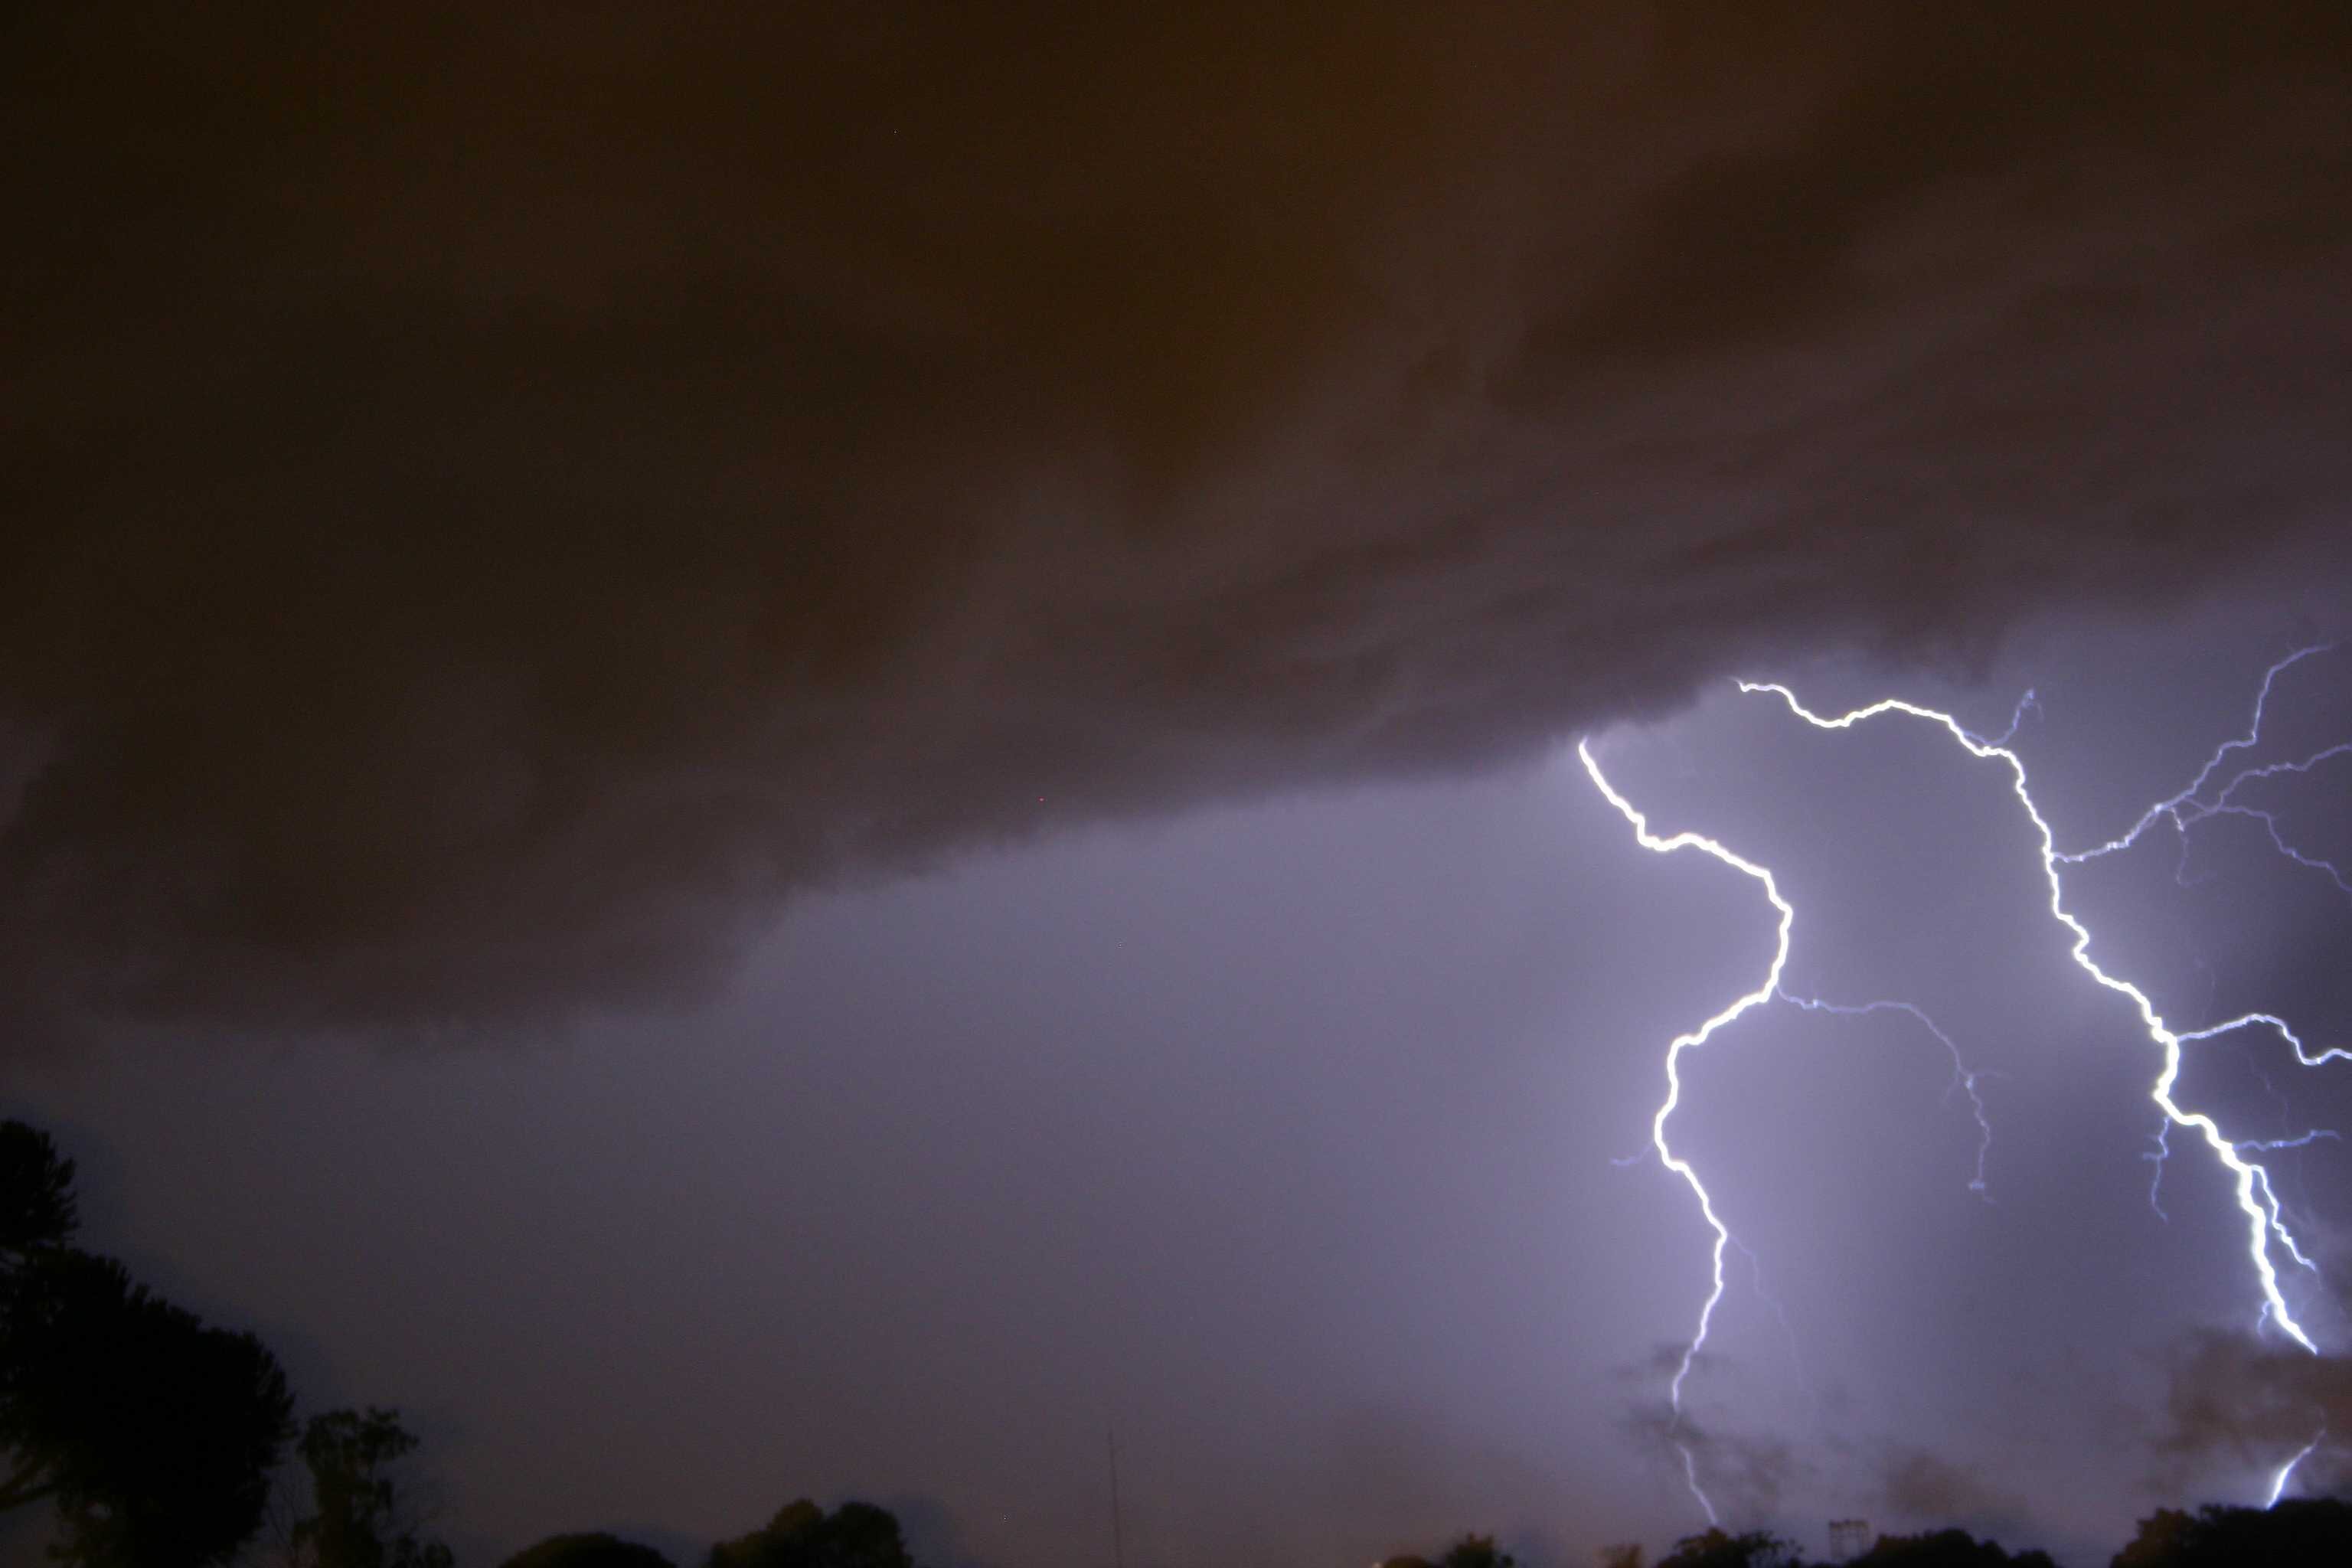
(1963,1077)
(2286,1471)
(1698,1037)
(2183,810)
(2251,1184)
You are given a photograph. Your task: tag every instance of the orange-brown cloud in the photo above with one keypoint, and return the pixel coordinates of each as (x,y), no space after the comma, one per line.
(497,499)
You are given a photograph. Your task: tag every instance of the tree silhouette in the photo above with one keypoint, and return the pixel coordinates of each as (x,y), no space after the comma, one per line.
(2303,1533)
(803,1535)
(587,1551)
(1469,1551)
(1475,1552)
(152,1434)
(38,1216)
(358,1520)
(1946,1548)
(1755,1549)
(38,1210)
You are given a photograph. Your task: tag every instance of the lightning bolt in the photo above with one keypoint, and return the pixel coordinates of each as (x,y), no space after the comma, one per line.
(1692,1041)
(2252,1180)
(1765,991)
(2264,1020)
(2256,1200)
(2286,1471)
(2182,810)
(2186,809)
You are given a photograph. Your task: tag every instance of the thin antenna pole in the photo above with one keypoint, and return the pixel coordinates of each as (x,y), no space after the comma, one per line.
(1118,1543)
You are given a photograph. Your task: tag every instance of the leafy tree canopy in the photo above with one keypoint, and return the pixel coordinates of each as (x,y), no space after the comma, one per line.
(1477,1552)
(1946,1548)
(358,1517)
(1716,1549)
(154,1434)
(803,1535)
(2303,1533)
(596,1551)
(37,1198)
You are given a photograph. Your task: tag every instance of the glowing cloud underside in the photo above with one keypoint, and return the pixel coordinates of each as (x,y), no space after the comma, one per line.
(2265,1224)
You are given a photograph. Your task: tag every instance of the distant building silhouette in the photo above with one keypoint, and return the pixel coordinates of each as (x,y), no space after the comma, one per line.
(1848,1538)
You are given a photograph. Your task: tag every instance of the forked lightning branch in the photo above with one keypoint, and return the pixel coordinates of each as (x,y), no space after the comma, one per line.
(2269,1238)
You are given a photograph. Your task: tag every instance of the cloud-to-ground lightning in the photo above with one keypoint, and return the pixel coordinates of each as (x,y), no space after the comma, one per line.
(1765,991)
(2260,1218)
(2285,1475)
(1681,1043)
(2266,1223)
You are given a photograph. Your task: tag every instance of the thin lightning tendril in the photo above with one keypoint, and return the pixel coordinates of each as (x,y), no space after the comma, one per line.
(1964,1077)
(2302,1141)
(1789,1330)
(2256,1199)
(2181,809)
(2163,1153)
(2187,808)
(2225,806)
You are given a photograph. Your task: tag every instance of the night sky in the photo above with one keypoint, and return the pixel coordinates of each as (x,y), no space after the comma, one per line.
(769,750)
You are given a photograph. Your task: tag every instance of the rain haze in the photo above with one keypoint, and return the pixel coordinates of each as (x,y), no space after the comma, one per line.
(785,753)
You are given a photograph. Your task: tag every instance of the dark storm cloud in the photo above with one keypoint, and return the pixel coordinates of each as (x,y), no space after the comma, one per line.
(1747,1473)
(1918,1484)
(496,499)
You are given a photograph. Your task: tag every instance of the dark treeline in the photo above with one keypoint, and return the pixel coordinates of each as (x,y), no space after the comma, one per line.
(2296,1534)
(156,1441)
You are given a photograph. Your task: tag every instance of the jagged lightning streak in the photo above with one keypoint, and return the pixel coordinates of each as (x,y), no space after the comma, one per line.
(1963,1077)
(2186,809)
(1696,1038)
(2182,810)
(2302,1053)
(2256,1198)
(2299,1141)
(2253,1185)
(2250,1020)
(2224,806)
(2287,1472)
